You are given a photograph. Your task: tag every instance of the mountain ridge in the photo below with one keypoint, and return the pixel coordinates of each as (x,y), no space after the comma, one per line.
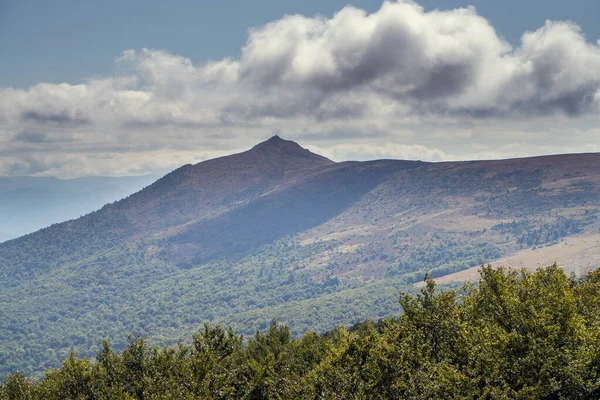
(279,232)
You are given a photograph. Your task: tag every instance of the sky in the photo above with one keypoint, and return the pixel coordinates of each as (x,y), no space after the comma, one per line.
(122,88)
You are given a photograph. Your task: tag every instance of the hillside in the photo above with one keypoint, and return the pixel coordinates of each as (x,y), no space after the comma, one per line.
(278,231)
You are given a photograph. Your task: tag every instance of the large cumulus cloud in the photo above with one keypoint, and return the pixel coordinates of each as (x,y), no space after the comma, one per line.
(400,82)
(439,62)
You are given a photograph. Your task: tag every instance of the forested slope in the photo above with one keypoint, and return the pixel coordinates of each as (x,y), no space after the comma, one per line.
(517,335)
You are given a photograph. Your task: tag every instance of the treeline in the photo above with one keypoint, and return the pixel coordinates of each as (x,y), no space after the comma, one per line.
(443,259)
(517,335)
(530,233)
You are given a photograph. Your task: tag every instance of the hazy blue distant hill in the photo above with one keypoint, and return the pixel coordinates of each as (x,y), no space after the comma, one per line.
(28,204)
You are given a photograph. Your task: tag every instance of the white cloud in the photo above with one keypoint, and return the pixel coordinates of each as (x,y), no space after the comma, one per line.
(400,82)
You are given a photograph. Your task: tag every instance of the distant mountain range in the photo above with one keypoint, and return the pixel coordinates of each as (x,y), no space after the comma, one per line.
(28,204)
(280,232)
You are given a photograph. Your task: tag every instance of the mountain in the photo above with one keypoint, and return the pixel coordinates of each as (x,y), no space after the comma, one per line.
(28,204)
(280,232)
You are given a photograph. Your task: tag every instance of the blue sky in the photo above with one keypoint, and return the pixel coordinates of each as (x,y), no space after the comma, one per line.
(137,87)
(70,41)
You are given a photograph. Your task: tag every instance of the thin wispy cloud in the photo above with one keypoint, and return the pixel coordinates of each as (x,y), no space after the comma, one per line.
(401,81)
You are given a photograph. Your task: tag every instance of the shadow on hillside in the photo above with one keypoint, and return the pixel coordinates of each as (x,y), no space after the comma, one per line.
(279,214)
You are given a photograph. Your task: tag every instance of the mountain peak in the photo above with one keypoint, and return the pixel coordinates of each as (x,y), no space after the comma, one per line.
(276,141)
(278,148)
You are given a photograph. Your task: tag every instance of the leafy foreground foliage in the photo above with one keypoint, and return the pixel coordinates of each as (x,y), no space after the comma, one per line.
(517,335)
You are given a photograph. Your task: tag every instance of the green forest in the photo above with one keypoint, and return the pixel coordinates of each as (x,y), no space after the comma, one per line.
(514,335)
(119,291)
